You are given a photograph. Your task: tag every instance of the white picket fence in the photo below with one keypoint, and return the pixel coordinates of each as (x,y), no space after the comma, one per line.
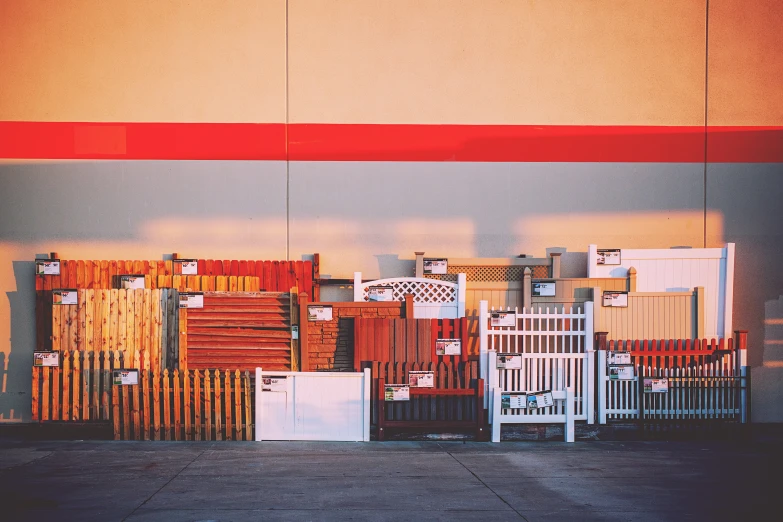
(556,350)
(712,390)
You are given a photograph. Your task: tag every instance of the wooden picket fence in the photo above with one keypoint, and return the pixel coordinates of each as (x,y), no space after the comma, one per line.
(176,405)
(188,405)
(406,340)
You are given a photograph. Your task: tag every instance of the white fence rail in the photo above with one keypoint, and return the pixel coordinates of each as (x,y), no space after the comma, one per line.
(326,406)
(432,299)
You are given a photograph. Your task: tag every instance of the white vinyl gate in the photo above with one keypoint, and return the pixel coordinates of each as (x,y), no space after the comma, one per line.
(557,354)
(326,406)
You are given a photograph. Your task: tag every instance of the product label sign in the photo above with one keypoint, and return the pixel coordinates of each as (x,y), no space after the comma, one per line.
(544,289)
(448,346)
(608,256)
(65,296)
(436,266)
(621,373)
(46,358)
(274,384)
(653,385)
(618,357)
(132,282)
(191,300)
(319,313)
(125,377)
(508,361)
(498,319)
(397,392)
(513,401)
(421,379)
(188,266)
(615,299)
(380,293)
(47,267)
(541,399)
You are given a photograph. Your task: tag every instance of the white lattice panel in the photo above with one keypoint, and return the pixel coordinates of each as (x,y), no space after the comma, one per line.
(423,290)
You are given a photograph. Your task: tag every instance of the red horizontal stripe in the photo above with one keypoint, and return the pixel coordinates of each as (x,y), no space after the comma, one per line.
(368,142)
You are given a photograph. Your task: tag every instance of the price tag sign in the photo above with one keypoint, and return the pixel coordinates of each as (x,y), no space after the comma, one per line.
(396,392)
(187,266)
(540,400)
(273,384)
(65,296)
(615,299)
(436,266)
(544,289)
(498,319)
(47,267)
(132,282)
(191,300)
(513,401)
(421,379)
(618,357)
(319,313)
(621,373)
(508,361)
(653,385)
(448,346)
(381,293)
(125,377)
(608,256)
(46,358)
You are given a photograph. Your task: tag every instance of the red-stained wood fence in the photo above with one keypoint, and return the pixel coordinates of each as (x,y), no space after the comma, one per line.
(406,340)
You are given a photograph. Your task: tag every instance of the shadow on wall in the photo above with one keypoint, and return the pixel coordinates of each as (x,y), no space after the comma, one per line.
(15,367)
(767,379)
(390,265)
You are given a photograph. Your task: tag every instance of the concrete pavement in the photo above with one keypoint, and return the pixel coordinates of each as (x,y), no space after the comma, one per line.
(454,481)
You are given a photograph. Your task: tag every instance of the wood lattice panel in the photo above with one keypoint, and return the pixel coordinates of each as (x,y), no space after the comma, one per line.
(491,273)
(423,291)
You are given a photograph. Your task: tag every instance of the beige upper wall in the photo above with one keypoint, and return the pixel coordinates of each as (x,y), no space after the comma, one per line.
(142,60)
(493,61)
(746,62)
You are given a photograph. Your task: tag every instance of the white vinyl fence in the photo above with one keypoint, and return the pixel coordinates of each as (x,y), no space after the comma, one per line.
(556,352)
(326,406)
(432,299)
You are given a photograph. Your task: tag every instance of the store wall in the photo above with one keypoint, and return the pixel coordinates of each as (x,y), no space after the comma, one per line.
(541,124)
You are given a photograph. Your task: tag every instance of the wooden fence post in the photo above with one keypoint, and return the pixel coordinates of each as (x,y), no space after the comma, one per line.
(600,340)
(408,307)
(304,351)
(295,325)
(632,279)
(316,277)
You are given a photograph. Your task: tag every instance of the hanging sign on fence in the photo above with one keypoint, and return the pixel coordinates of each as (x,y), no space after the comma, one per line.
(435,266)
(513,401)
(618,358)
(381,293)
(544,289)
(421,379)
(508,361)
(191,299)
(448,346)
(132,282)
(273,384)
(608,256)
(65,296)
(621,372)
(46,358)
(187,266)
(653,385)
(125,377)
(294,332)
(47,267)
(502,319)
(542,399)
(396,392)
(319,313)
(615,299)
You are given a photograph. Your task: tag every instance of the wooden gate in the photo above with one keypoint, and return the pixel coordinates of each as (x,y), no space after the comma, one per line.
(240,331)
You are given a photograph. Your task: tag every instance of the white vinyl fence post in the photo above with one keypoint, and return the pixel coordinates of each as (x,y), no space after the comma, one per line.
(367,394)
(601,386)
(483,338)
(357,287)
(569,426)
(495,414)
(588,395)
(259,404)
(462,284)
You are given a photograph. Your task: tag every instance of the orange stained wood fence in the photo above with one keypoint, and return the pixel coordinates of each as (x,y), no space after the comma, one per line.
(406,340)
(212,274)
(241,331)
